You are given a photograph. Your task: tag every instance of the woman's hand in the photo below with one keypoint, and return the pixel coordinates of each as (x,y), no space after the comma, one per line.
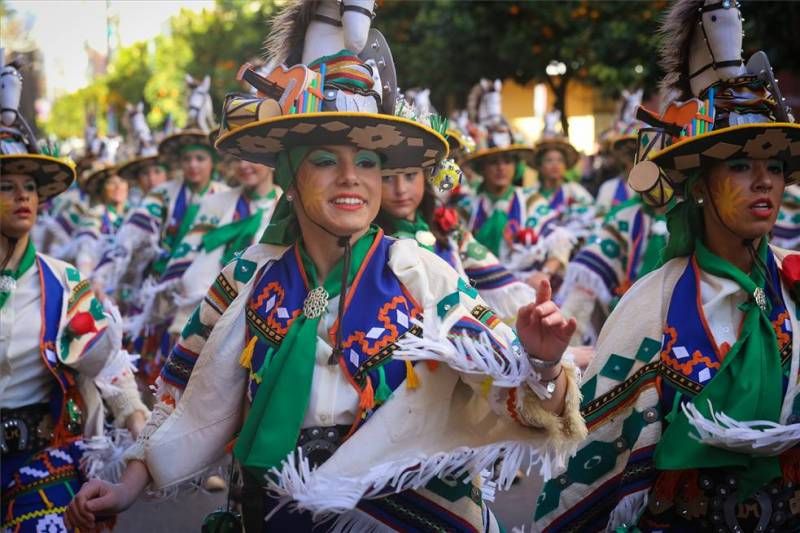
(543,331)
(97,498)
(101,498)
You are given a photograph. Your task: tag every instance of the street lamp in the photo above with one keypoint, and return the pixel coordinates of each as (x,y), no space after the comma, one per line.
(556,68)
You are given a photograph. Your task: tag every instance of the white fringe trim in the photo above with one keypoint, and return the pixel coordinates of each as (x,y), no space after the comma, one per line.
(580,276)
(104,456)
(304,489)
(627,511)
(508,299)
(462,353)
(756,437)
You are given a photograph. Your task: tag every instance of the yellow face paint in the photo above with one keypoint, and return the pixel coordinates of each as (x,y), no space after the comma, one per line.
(729,198)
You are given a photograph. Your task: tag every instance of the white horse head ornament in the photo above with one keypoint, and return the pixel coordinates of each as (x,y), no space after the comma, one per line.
(716,49)
(10,93)
(138,125)
(201,110)
(630,103)
(337,25)
(702,44)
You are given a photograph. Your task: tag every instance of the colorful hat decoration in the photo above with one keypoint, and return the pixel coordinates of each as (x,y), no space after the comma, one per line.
(346,97)
(19,151)
(552,139)
(491,131)
(729,109)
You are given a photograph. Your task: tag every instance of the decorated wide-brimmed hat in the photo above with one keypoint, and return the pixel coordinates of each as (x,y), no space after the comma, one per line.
(131,169)
(92,179)
(173,145)
(311,101)
(53,175)
(491,131)
(735,112)
(552,139)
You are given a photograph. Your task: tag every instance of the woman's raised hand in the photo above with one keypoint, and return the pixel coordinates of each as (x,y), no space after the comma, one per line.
(543,331)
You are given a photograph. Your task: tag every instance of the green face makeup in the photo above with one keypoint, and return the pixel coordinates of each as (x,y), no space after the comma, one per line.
(367,159)
(323,158)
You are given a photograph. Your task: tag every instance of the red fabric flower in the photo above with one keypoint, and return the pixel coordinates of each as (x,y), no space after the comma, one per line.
(446,218)
(81,324)
(527,236)
(790,269)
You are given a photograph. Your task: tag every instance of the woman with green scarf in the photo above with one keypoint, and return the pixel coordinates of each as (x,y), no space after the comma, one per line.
(409,211)
(226,224)
(363,380)
(149,245)
(693,399)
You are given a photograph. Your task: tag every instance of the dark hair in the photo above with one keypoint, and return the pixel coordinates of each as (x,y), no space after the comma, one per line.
(426,209)
(519,168)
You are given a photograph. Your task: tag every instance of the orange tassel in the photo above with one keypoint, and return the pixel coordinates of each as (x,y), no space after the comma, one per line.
(412,380)
(432,365)
(246,359)
(367,398)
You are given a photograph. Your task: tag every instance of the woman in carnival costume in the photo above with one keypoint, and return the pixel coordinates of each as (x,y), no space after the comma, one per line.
(552,156)
(157,225)
(786,232)
(692,401)
(227,223)
(513,222)
(60,358)
(109,192)
(415,386)
(626,246)
(410,210)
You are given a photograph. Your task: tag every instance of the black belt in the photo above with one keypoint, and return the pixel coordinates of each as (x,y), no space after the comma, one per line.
(26,429)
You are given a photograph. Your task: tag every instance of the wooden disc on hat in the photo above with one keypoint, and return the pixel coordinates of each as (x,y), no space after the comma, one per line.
(647,179)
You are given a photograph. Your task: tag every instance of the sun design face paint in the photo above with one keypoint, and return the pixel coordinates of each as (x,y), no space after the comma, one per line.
(729,197)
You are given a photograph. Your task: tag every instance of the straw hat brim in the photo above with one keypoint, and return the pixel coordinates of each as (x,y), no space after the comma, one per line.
(404,144)
(130,170)
(478,157)
(53,176)
(774,140)
(562,145)
(170,148)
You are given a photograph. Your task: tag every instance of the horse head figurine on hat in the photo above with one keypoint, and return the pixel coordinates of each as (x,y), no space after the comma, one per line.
(631,100)
(137,125)
(485,108)
(703,45)
(12,123)
(201,109)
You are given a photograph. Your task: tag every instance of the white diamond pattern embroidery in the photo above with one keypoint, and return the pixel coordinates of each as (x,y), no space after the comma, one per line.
(680,352)
(402,318)
(704,375)
(353,358)
(283,313)
(270,304)
(375,333)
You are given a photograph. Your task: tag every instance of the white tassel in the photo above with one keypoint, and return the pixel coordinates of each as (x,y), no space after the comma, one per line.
(580,276)
(104,458)
(324,496)
(756,437)
(463,353)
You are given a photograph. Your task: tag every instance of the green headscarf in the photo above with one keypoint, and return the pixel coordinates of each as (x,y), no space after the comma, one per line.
(685,224)
(283,227)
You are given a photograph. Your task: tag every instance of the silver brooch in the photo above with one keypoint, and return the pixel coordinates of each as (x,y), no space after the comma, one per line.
(315,303)
(425,238)
(7,284)
(761,298)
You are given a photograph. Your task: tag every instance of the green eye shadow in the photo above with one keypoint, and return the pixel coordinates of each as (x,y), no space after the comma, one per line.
(322,157)
(367,156)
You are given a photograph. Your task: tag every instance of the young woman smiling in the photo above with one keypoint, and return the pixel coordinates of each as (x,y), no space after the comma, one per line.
(355,355)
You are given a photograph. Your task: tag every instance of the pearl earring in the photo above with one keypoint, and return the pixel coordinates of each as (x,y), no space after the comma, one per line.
(289,197)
